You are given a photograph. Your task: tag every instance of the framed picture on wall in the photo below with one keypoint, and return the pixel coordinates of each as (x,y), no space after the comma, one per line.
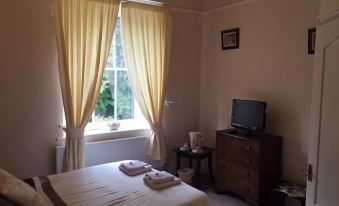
(230,39)
(311,40)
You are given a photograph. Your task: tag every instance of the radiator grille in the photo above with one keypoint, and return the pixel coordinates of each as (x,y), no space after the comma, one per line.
(111,151)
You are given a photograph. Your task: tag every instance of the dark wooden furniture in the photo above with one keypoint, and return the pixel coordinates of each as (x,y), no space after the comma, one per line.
(207,153)
(247,165)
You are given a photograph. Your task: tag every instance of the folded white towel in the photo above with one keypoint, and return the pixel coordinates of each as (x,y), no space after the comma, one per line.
(159,186)
(133,165)
(159,177)
(135,172)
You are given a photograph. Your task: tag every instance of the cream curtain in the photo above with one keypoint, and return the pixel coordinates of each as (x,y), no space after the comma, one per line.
(146,34)
(84,30)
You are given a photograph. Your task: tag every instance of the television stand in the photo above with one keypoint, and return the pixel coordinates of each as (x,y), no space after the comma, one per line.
(232,131)
(247,165)
(248,133)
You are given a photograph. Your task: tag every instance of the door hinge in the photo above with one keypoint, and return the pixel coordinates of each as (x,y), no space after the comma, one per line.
(309,172)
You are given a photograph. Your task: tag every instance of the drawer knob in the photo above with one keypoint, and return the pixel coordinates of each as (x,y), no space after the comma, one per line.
(248,190)
(223,166)
(248,148)
(223,153)
(248,174)
(248,161)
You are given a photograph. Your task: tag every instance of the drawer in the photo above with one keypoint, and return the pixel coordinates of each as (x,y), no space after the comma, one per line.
(239,145)
(241,159)
(239,186)
(228,167)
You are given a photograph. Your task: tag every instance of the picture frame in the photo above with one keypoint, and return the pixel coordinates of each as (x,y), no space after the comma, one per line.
(230,39)
(311,40)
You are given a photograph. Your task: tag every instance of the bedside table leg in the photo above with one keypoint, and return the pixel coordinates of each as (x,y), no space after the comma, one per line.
(190,163)
(210,167)
(198,173)
(178,164)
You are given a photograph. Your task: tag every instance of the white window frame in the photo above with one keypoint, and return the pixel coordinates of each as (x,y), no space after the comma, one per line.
(115,93)
(138,122)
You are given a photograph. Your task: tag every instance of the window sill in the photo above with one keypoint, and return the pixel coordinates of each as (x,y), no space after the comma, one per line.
(128,129)
(103,135)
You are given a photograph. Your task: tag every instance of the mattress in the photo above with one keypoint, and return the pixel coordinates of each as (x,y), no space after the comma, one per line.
(107,185)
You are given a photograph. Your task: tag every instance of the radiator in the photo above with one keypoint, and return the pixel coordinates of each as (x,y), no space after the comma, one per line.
(96,153)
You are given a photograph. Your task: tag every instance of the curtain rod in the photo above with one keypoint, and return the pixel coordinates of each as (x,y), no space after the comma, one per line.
(154,3)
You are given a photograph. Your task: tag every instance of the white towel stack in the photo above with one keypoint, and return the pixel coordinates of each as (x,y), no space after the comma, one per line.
(135,167)
(160,180)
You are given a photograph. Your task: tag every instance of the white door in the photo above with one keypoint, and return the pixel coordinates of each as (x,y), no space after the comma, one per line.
(323,189)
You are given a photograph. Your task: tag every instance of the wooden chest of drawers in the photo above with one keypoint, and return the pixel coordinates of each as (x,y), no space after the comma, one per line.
(247,165)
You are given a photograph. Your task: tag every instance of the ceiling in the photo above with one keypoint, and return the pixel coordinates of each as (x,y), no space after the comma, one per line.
(199,5)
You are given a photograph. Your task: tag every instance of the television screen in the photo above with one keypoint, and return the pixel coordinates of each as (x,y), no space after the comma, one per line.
(248,115)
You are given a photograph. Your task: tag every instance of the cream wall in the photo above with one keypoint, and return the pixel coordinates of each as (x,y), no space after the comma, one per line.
(327,6)
(30,105)
(271,65)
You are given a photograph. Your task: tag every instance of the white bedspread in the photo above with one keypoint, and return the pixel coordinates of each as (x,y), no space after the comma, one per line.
(107,185)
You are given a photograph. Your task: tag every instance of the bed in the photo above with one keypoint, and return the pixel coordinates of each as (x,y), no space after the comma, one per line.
(107,185)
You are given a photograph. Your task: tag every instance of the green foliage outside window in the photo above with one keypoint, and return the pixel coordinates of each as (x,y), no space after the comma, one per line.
(105,104)
(125,103)
(104,108)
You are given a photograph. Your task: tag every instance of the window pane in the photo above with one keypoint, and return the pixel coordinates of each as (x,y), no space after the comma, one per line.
(104,109)
(116,55)
(125,99)
(110,57)
(119,55)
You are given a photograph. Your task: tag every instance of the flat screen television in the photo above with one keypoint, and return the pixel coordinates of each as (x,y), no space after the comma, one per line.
(248,115)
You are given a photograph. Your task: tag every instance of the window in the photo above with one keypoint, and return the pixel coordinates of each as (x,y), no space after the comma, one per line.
(116,101)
